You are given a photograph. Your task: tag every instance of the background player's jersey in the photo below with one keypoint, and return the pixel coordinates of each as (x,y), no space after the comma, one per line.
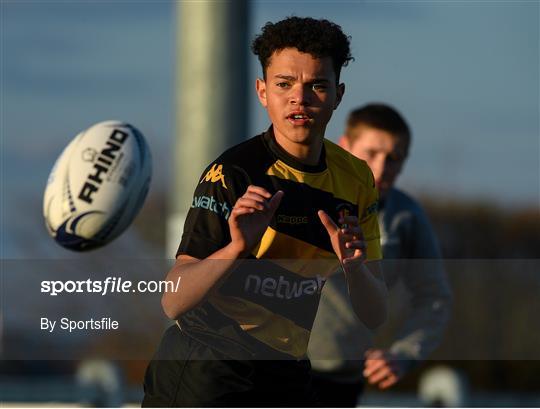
(412,256)
(268,304)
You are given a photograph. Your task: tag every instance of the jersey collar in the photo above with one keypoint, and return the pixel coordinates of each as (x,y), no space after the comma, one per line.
(281,154)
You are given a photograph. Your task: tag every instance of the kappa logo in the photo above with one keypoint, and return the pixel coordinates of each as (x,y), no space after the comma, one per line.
(215,174)
(283,218)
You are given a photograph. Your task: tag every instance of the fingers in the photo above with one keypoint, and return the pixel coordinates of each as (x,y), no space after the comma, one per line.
(373,365)
(256,202)
(357,245)
(257,197)
(275,201)
(384,377)
(240,210)
(355,232)
(359,254)
(375,359)
(381,374)
(349,220)
(389,381)
(259,191)
(347,241)
(327,222)
(350,224)
(380,369)
(373,354)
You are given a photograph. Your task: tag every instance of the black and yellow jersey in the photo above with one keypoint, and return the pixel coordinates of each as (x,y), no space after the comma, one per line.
(269,302)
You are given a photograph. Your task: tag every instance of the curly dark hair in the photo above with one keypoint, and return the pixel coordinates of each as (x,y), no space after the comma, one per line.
(320,38)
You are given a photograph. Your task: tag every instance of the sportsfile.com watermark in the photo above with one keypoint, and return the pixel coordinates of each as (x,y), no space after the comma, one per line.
(111,285)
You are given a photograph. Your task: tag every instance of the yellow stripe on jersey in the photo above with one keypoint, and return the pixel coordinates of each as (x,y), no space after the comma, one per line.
(303,258)
(270,328)
(295,255)
(340,186)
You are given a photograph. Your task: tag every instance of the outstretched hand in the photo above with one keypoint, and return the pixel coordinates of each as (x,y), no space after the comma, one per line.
(347,241)
(251,216)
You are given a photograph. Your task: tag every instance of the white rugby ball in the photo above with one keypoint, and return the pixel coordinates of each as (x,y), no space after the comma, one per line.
(97,185)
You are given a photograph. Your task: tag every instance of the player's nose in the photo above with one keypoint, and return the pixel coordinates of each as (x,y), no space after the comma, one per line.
(299,95)
(377,167)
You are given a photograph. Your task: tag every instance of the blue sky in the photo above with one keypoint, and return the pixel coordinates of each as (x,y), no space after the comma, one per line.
(464,74)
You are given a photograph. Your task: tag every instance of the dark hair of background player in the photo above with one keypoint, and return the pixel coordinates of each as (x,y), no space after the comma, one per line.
(319,38)
(383,117)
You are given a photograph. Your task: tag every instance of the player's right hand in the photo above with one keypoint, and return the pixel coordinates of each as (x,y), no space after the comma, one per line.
(250,217)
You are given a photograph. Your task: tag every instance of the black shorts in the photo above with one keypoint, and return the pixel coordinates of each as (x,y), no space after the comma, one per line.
(335,394)
(185,372)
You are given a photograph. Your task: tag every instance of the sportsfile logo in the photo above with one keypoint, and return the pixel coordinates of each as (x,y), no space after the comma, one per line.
(215,174)
(283,288)
(209,203)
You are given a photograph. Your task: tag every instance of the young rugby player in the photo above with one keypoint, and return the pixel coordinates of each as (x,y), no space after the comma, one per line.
(378,134)
(266,218)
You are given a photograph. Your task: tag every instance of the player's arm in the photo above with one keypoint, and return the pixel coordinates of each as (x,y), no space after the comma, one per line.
(368,292)
(365,282)
(198,277)
(431,298)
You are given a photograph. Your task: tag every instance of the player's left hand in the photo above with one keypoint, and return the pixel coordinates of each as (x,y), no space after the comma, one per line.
(382,368)
(347,241)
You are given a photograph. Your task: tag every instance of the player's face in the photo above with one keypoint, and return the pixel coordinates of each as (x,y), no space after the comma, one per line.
(300,93)
(384,153)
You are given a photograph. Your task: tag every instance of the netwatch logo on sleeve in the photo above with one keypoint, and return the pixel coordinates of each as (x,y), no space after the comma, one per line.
(209,203)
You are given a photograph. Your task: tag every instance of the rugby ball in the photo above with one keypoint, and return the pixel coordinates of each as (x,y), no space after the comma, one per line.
(97,185)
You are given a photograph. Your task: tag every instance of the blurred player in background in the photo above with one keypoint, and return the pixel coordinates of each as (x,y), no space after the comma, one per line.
(340,346)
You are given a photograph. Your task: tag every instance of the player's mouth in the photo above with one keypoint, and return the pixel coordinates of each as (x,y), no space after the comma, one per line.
(299,118)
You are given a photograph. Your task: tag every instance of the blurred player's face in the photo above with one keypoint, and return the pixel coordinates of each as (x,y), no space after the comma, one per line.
(384,153)
(300,93)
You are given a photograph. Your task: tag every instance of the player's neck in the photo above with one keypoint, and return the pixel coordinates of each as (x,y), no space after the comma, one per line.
(307,153)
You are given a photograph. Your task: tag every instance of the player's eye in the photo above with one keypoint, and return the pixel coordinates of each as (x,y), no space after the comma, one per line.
(394,158)
(319,86)
(371,154)
(283,84)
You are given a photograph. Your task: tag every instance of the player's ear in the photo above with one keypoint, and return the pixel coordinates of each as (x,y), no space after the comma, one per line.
(339,94)
(260,86)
